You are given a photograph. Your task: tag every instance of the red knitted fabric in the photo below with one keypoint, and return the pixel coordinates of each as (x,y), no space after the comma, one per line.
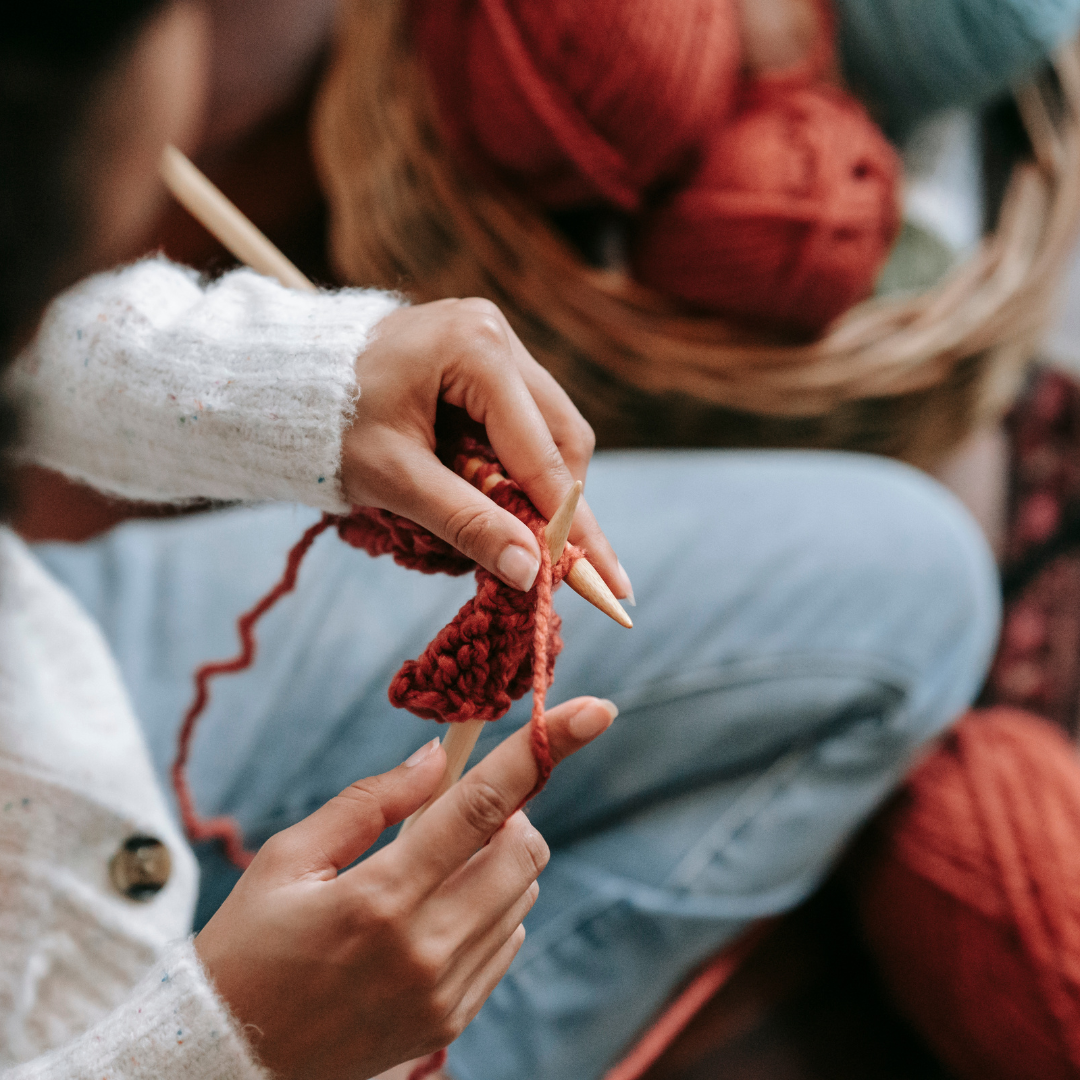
(579,101)
(790,218)
(501,643)
(971,904)
(483,660)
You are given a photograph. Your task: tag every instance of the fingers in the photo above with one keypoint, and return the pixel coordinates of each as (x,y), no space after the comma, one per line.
(464,353)
(471,997)
(539,436)
(445,504)
(486,981)
(485,944)
(568,428)
(458,824)
(483,378)
(339,832)
(490,887)
(475,956)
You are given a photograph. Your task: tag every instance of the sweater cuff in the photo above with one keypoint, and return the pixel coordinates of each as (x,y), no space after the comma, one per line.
(173,1025)
(149,384)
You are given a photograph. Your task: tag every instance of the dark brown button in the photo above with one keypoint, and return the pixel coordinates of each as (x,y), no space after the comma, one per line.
(141,867)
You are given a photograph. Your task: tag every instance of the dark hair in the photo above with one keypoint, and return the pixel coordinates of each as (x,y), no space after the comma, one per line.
(53,53)
(75,32)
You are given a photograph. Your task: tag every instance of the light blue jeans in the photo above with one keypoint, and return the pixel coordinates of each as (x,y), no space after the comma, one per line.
(805,623)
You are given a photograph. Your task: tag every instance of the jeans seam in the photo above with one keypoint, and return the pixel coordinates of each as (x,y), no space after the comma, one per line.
(783,667)
(746,807)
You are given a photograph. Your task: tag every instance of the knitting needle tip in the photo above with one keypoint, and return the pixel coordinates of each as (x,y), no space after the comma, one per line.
(582,577)
(586,581)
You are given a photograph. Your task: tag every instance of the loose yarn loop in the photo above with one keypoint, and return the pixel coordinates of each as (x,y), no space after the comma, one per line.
(499,645)
(225,829)
(971,904)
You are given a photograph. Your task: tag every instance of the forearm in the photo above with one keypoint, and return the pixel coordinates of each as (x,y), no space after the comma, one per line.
(146,384)
(173,1025)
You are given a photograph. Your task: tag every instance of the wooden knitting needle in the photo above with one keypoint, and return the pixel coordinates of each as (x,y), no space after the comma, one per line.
(462,736)
(225,221)
(583,577)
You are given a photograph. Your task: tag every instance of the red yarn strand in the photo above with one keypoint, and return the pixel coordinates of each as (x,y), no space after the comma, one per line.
(226,829)
(542,633)
(498,646)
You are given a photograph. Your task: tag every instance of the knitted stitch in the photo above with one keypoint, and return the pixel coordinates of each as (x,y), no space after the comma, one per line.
(498,645)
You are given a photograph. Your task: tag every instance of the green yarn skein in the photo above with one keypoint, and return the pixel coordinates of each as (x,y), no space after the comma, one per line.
(909,58)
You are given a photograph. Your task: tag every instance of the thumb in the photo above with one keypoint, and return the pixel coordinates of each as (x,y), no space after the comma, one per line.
(340,831)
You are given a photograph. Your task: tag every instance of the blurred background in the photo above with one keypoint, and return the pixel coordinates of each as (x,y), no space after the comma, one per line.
(766,223)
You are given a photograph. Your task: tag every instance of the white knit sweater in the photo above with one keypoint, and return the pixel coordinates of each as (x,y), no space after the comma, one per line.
(144,383)
(147,385)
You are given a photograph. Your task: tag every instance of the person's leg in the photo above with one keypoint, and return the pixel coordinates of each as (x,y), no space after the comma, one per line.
(775,743)
(805,622)
(812,621)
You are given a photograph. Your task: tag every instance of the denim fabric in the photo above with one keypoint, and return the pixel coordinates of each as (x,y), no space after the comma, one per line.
(805,623)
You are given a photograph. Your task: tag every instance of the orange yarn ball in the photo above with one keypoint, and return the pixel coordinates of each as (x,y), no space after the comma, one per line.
(579,101)
(971,904)
(790,217)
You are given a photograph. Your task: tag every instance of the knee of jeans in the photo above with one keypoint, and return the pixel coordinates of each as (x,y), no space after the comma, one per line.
(942,562)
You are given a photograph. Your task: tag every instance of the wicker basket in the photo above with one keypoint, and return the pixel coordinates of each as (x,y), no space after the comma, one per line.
(908,377)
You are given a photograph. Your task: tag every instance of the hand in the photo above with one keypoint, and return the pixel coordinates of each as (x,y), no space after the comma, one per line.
(338,972)
(464,352)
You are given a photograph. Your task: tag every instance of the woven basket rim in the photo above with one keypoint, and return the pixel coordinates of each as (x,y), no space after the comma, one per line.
(995,302)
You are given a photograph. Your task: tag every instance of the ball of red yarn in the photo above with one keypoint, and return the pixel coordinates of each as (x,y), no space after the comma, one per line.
(579,101)
(970,901)
(790,217)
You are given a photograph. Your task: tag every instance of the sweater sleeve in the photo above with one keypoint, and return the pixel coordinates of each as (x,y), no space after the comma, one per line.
(147,384)
(173,1025)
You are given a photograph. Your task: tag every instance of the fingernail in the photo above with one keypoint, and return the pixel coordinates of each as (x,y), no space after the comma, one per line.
(537,846)
(518,567)
(590,721)
(628,588)
(425,751)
